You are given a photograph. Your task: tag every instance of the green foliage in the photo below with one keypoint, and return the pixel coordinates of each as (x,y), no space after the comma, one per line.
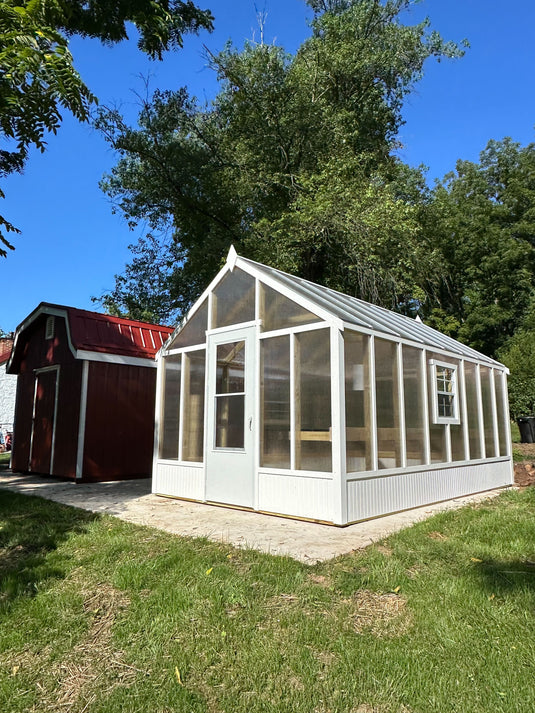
(483,221)
(519,356)
(293,162)
(37,76)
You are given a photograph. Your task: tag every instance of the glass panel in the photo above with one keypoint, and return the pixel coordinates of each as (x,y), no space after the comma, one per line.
(233,299)
(413,381)
(170,407)
(387,404)
(194,331)
(486,398)
(357,389)
(472,409)
(230,368)
(193,431)
(313,401)
(437,431)
(230,416)
(278,312)
(503,417)
(275,395)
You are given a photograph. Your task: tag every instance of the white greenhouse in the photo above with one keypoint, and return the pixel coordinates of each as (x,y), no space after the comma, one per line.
(284,397)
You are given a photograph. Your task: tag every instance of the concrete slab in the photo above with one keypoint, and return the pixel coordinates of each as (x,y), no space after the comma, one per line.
(131,500)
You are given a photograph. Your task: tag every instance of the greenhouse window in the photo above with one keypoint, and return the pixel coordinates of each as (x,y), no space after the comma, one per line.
(444,383)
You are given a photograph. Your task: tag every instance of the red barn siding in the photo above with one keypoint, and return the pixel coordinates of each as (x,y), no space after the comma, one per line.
(119,421)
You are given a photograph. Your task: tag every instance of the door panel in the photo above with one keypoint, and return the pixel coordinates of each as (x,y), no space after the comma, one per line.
(43,422)
(230,427)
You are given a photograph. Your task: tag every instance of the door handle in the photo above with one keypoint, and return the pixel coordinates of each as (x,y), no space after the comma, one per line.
(250,423)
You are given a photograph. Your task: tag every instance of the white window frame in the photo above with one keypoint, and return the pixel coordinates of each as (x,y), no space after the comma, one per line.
(456,418)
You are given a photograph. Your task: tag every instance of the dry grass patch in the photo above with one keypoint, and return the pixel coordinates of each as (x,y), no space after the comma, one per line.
(437,536)
(380,614)
(320,579)
(94,658)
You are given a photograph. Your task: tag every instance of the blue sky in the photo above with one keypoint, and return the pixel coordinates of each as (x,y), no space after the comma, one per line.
(72,245)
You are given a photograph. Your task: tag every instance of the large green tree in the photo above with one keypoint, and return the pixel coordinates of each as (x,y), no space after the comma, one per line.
(482,218)
(37,76)
(293,162)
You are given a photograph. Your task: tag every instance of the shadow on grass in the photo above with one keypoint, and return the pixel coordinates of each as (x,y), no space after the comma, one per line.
(507,576)
(31,530)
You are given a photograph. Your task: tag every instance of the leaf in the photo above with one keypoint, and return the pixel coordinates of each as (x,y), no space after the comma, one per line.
(209,571)
(475,559)
(396,590)
(178,677)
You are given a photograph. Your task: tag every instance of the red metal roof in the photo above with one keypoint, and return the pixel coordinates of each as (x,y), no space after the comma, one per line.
(97,332)
(6,345)
(94,332)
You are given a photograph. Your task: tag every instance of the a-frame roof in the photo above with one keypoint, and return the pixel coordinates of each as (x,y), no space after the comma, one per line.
(344,310)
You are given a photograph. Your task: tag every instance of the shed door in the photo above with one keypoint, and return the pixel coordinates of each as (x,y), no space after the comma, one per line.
(44,417)
(230,425)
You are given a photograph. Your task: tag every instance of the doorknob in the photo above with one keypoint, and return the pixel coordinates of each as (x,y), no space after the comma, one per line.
(250,423)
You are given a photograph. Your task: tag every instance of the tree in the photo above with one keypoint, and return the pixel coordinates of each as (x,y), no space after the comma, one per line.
(293,162)
(37,76)
(482,218)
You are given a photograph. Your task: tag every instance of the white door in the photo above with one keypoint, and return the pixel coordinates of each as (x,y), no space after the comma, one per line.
(230,411)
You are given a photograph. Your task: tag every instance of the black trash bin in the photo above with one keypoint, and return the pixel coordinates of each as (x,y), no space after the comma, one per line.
(526,424)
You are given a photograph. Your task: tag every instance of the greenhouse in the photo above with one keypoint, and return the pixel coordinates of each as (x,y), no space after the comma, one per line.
(285,397)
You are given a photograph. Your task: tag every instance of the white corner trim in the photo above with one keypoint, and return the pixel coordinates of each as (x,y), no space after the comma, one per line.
(81,421)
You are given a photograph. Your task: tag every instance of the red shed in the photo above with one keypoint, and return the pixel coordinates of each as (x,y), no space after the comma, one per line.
(85,394)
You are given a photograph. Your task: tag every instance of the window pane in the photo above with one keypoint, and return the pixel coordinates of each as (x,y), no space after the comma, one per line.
(230,368)
(193,431)
(313,401)
(503,416)
(472,409)
(233,299)
(230,416)
(275,400)
(387,400)
(194,331)
(488,421)
(357,390)
(414,405)
(278,312)
(171,407)
(437,431)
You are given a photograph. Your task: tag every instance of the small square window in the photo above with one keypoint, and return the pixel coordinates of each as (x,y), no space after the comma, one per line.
(444,383)
(49,328)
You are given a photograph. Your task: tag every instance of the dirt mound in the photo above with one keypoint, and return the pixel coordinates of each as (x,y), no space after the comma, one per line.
(524,474)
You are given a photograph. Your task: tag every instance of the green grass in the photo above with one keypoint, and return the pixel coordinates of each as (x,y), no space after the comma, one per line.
(4,460)
(98,615)
(515,432)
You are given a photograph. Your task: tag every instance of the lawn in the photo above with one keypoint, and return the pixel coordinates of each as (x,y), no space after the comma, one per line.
(4,460)
(100,615)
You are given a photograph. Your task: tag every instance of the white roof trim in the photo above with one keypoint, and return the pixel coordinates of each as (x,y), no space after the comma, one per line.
(114,358)
(194,308)
(40,310)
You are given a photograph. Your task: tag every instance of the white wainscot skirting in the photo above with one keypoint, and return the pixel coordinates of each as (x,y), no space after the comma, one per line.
(179,481)
(371,497)
(307,497)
